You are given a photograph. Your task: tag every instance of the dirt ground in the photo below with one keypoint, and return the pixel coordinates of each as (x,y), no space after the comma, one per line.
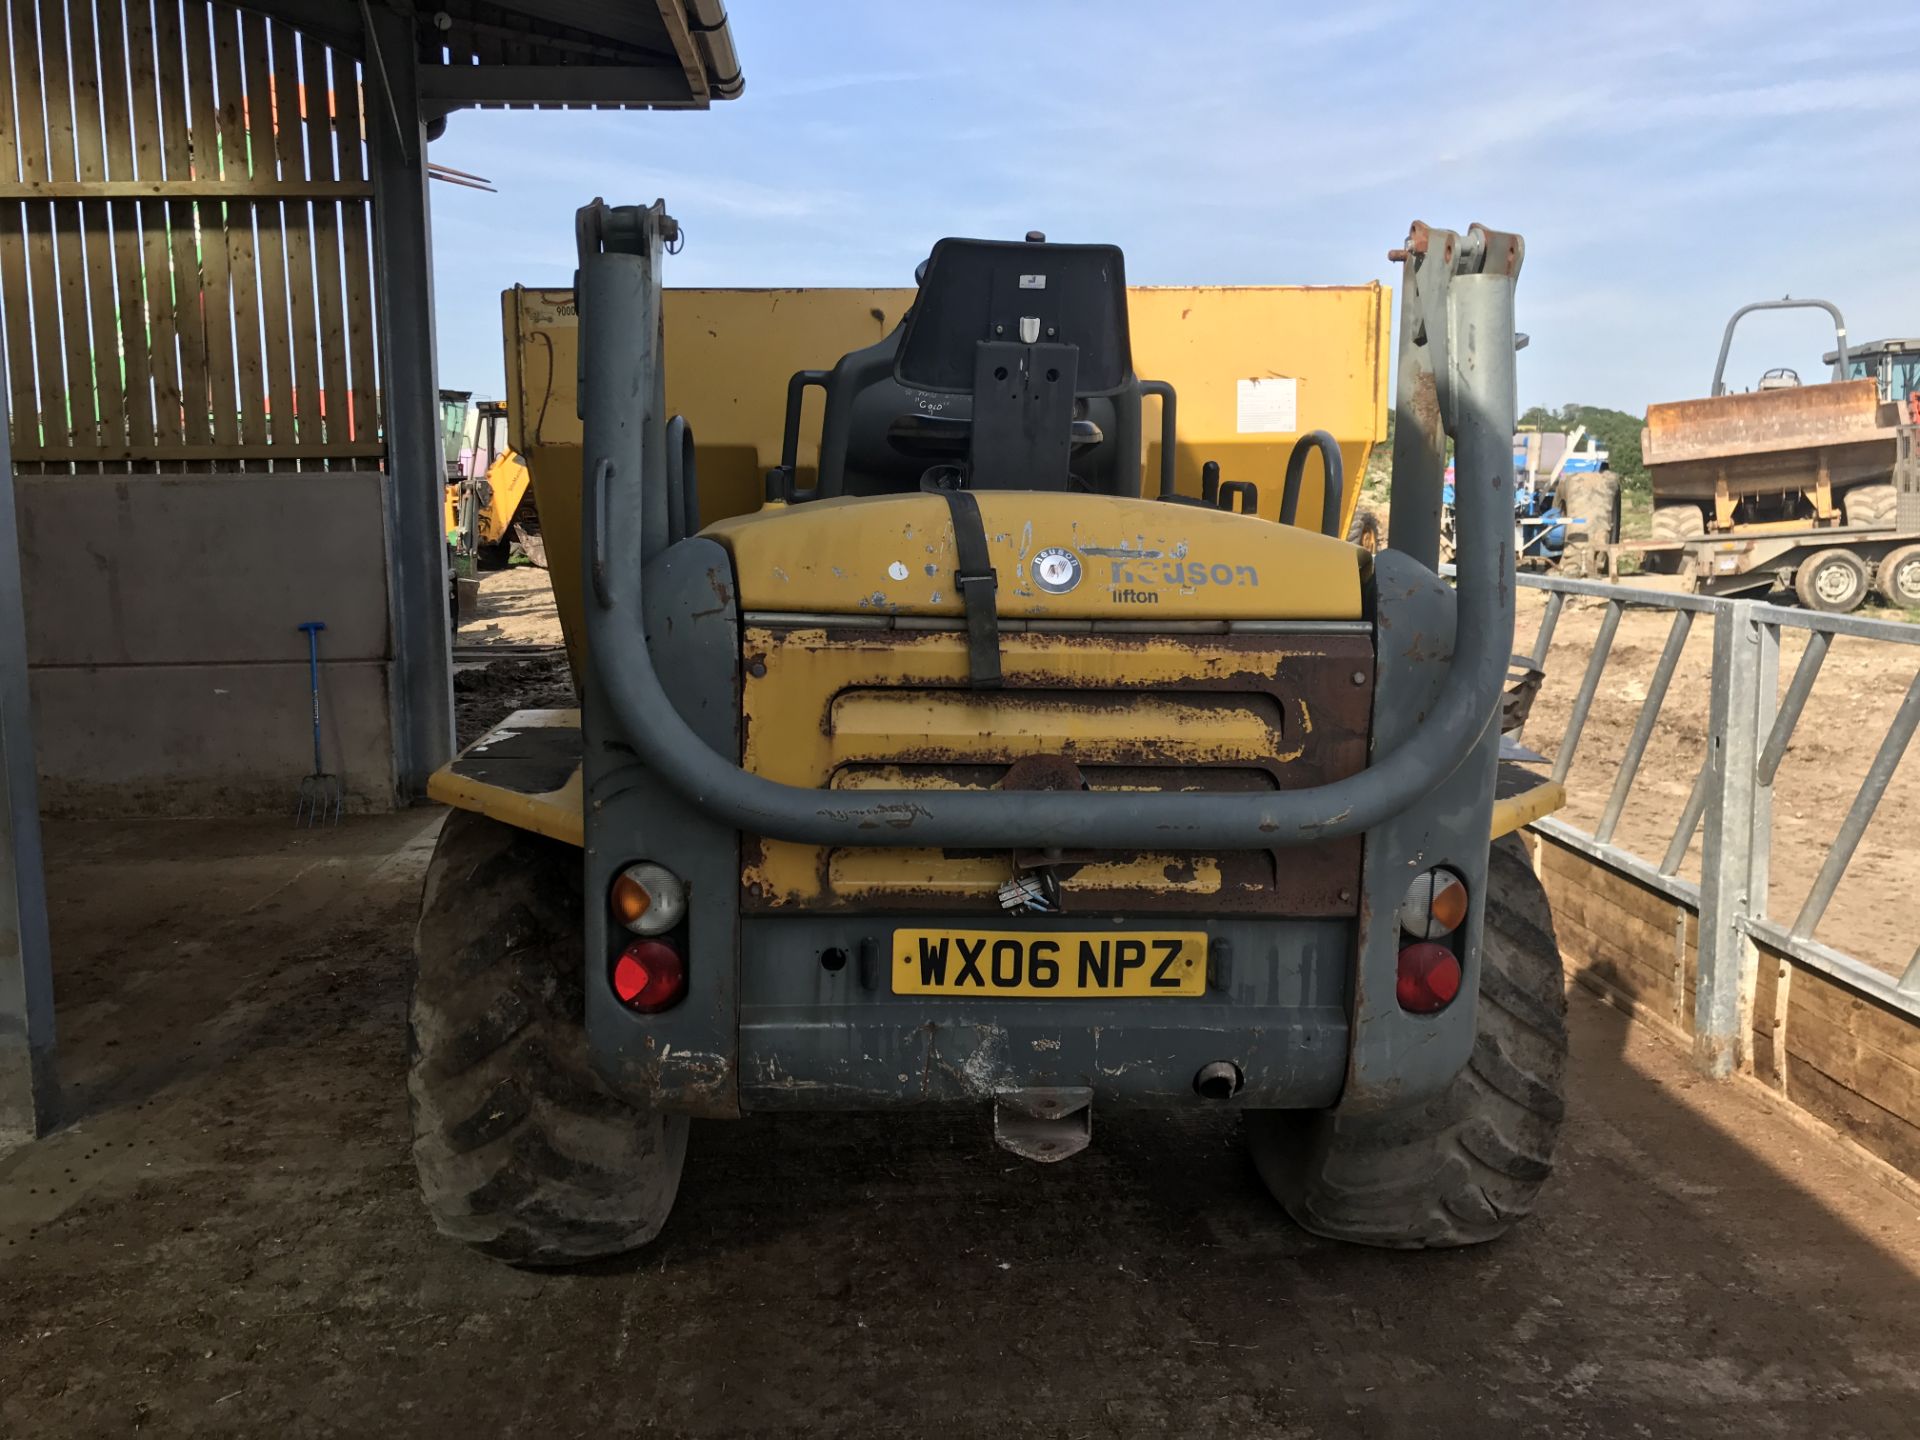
(516,608)
(1875,913)
(224,1238)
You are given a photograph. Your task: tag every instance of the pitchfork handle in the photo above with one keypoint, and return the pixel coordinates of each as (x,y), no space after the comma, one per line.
(313,629)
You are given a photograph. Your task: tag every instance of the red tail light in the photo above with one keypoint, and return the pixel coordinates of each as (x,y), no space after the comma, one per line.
(649,976)
(1429,978)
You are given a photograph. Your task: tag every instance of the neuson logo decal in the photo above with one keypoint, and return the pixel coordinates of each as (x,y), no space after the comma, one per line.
(1056,570)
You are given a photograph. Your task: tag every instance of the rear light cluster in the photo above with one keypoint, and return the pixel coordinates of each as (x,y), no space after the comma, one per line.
(1433,911)
(650,974)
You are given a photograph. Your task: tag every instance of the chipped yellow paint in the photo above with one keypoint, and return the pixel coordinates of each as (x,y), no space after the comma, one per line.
(875,709)
(558,814)
(1526,807)
(1139,560)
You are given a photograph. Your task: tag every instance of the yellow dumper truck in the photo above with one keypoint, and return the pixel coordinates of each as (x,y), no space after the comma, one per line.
(981,705)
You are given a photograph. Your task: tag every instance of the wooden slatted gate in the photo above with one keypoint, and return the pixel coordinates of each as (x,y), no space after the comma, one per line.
(185,226)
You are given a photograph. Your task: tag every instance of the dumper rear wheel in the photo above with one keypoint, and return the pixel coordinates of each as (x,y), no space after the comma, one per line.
(1462,1168)
(522,1150)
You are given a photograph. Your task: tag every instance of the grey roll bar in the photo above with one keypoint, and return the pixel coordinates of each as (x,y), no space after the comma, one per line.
(1785,303)
(619,307)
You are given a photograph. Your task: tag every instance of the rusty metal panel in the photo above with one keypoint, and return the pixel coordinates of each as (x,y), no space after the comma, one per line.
(858,709)
(1767,441)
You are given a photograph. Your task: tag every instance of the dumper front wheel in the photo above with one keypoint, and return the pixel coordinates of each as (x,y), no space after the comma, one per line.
(523,1152)
(1462,1168)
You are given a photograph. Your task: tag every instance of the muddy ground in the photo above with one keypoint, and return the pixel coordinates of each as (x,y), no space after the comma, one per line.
(1876,911)
(224,1239)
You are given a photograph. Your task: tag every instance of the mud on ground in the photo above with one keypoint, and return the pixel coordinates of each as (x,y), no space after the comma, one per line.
(225,1239)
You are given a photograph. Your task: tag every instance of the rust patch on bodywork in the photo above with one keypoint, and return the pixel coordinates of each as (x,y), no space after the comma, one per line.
(861,710)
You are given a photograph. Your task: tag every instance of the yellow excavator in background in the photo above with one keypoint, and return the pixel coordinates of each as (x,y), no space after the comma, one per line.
(491,508)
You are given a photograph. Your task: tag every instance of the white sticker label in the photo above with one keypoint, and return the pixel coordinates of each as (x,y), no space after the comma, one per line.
(897,570)
(1267,406)
(1033,282)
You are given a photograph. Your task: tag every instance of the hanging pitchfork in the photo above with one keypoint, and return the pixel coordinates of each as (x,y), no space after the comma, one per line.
(320,793)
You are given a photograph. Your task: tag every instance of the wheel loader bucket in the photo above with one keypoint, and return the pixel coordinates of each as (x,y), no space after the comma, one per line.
(1764,422)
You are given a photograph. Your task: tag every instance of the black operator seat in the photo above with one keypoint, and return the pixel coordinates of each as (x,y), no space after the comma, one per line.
(1031,332)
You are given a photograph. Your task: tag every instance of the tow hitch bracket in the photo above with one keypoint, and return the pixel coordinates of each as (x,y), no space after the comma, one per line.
(1045,1123)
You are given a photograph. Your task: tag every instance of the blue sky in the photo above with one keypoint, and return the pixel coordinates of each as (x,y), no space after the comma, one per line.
(1666,162)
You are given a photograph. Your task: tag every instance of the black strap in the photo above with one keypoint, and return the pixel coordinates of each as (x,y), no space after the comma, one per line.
(979,584)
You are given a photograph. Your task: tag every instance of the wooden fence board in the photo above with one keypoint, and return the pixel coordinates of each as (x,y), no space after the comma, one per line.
(96,238)
(355,241)
(163,346)
(249,356)
(189,318)
(270,244)
(130,279)
(15,300)
(288,103)
(216,294)
(185,256)
(82,414)
(50,371)
(329,306)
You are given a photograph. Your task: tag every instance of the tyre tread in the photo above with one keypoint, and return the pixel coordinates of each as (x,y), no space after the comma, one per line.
(522,1151)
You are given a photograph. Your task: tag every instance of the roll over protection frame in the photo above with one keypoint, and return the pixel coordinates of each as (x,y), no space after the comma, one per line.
(619,306)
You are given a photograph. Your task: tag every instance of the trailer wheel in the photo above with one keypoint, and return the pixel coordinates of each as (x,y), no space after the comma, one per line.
(1898,576)
(1831,580)
(1874,505)
(522,1150)
(1678,523)
(1462,1168)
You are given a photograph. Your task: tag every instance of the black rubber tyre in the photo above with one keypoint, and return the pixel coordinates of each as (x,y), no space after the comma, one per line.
(523,1152)
(1898,577)
(1366,531)
(1595,499)
(1835,581)
(1678,522)
(1875,505)
(1462,1168)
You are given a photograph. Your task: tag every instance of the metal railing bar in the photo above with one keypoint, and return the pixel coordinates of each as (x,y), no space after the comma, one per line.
(1543,641)
(1895,631)
(1855,975)
(1864,804)
(1577,720)
(1643,727)
(1910,982)
(1792,703)
(1689,822)
(1623,595)
(1625,861)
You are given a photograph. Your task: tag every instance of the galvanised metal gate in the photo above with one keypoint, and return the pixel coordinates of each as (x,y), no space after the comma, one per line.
(1750,726)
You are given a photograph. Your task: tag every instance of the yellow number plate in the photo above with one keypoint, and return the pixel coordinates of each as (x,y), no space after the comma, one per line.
(1062,963)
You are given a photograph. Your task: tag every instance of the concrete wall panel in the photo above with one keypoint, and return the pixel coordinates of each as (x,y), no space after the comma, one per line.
(169,674)
(212,568)
(206,739)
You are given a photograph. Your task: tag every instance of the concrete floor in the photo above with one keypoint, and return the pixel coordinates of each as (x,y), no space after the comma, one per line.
(225,1239)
